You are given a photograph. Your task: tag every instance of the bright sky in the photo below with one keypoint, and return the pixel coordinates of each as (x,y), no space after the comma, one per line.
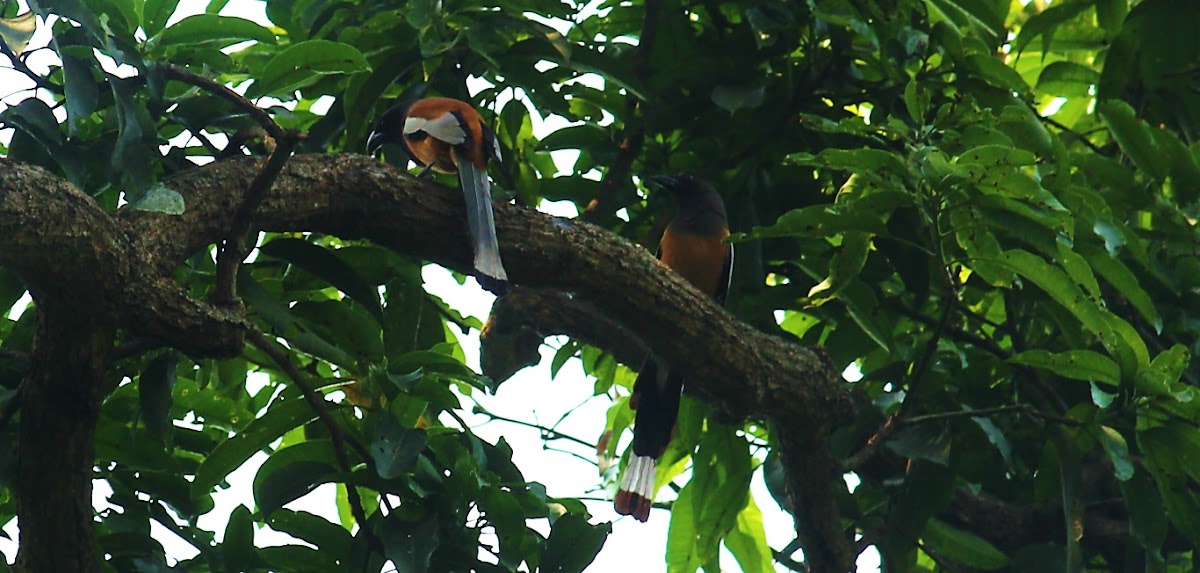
(567,398)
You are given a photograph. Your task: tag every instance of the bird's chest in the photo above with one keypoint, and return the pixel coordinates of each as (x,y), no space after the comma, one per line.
(697,258)
(431,151)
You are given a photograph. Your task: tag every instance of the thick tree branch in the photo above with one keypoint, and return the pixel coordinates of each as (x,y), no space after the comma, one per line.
(515,330)
(741,372)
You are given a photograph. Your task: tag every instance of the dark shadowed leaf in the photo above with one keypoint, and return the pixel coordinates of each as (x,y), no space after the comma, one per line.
(154,393)
(292,472)
(573,544)
(395,448)
(410,544)
(232,453)
(327,266)
(963,547)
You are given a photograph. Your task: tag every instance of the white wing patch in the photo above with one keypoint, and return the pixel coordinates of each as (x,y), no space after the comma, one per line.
(443,128)
(496,148)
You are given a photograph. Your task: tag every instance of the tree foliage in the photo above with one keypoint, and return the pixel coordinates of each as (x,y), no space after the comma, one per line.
(987,206)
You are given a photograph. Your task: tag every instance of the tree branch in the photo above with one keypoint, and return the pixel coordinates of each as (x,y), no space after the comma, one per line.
(741,372)
(515,330)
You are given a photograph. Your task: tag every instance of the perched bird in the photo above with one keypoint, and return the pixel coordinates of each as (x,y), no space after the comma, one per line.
(692,246)
(449,136)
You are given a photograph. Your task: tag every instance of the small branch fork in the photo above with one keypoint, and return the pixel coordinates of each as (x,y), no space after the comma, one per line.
(232,249)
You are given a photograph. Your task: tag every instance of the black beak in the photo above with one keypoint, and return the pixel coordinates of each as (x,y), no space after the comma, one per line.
(664,181)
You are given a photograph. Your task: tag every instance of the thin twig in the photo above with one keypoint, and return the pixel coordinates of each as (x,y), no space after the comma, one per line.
(984,412)
(258,114)
(957,334)
(895,423)
(788,562)
(1061,126)
(337,435)
(635,127)
(20,65)
(232,250)
(547,433)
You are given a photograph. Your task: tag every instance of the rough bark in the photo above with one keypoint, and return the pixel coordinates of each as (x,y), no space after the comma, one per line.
(60,404)
(127,259)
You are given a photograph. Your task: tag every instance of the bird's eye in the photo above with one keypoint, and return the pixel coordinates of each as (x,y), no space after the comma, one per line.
(416,136)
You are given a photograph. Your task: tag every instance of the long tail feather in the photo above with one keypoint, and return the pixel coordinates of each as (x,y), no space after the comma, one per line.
(637,488)
(657,391)
(478,195)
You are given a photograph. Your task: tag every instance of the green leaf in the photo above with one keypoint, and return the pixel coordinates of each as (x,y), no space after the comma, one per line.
(80,86)
(1075,364)
(997,73)
(304,63)
(237,547)
(410,544)
(1045,23)
(992,155)
(1117,336)
(326,265)
(333,540)
(923,442)
(868,214)
(1115,273)
(1147,515)
(865,160)
(209,30)
(156,13)
(1134,137)
(132,156)
(573,544)
(1161,376)
(1184,166)
(1183,508)
(733,98)
(154,393)
(916,100)
(846,264)
(35,118)
(395,448)
(292,472)
(1118,451)
(963,547)
(747,541)
(1111,15)
(160,199)
(230,454)
(708,506)
(16,32)
(1067,79)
